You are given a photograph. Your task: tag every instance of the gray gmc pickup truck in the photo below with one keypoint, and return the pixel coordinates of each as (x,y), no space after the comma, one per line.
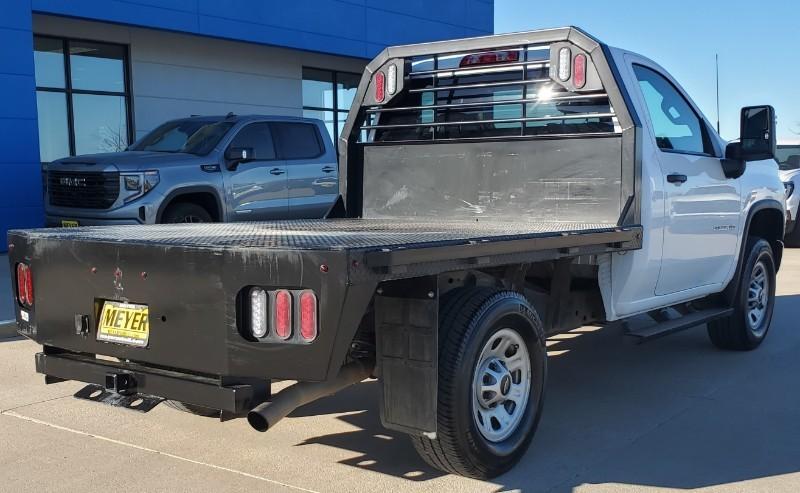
(201,169)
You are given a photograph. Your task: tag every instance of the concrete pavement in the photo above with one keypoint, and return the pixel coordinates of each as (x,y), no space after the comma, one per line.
(672,414)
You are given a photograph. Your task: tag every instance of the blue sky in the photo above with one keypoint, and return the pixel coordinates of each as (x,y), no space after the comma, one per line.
(758,44)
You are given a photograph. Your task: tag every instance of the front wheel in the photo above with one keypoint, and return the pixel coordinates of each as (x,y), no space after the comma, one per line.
(185,212)
(492,372)
(753,303)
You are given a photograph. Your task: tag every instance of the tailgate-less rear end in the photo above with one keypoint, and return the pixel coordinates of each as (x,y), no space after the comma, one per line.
(174,314)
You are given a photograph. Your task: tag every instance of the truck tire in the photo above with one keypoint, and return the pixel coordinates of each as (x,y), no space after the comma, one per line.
(492,372)
(192,409)
(753,303)
(185,212)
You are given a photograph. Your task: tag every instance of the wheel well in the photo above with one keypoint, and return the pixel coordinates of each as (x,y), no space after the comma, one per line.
(206,200)
(767,223)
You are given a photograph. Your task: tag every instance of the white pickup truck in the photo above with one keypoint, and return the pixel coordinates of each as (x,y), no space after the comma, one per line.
(494,191)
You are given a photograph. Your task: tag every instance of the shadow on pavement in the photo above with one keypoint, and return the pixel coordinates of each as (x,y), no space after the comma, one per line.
(675,413)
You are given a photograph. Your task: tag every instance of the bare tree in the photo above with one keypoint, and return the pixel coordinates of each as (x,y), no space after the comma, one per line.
(112,139)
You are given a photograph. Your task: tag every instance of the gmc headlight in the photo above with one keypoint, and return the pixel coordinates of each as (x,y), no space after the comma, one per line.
(132,182)
(789,187)
(139,183)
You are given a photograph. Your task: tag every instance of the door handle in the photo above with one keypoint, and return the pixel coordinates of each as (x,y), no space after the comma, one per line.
(276,171)
(328,169)
(676,178)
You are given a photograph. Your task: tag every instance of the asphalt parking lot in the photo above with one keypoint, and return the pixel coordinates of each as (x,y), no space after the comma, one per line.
(672,414)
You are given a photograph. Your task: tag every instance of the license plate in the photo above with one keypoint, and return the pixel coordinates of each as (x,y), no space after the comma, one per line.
(124,323)
(69,223)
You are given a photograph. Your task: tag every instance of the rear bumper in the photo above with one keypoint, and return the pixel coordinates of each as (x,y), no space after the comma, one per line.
(196,305)
(214,393)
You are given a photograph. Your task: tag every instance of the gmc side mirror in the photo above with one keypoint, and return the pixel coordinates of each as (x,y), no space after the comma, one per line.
(757,142)
(236,155)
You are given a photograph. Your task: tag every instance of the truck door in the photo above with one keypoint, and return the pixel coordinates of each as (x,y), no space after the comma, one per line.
(702,205)
(312,170)
(257,189)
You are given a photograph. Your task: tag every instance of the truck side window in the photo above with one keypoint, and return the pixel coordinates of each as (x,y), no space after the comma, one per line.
(256,136)
(297,140)
(676,125)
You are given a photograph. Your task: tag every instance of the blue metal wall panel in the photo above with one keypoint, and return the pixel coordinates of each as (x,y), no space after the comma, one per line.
(21,182)
(358,28)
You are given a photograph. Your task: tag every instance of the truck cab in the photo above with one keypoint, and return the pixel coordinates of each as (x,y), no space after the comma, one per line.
(200,169)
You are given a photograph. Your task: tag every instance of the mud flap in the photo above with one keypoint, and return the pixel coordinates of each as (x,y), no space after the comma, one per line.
(406,323)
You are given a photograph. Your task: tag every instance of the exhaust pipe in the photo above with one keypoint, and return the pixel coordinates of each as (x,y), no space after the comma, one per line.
(267,414)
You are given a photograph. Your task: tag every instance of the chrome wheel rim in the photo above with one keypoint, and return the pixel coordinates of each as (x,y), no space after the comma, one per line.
(501,385)
(757,298)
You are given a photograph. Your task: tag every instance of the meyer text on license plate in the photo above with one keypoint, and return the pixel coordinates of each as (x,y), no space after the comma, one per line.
(124,323)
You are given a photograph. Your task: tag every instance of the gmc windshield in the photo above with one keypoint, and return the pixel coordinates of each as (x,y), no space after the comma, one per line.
(190,136)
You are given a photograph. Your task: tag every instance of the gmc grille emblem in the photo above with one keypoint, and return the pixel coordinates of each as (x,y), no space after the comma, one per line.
(69,181)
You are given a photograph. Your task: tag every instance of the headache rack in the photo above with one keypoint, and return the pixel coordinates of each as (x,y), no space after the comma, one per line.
(533,125)
(469,94)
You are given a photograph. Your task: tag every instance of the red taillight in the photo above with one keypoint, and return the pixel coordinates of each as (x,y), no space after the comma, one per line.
(283,314)
(579,71)
(308,315)
(380,87)
(489,58)
(24,285)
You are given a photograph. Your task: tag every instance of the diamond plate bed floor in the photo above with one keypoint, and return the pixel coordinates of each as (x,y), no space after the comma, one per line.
(319,234)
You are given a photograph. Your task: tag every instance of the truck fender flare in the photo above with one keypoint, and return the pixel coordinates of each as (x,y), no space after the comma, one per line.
(173,194)
(764,204)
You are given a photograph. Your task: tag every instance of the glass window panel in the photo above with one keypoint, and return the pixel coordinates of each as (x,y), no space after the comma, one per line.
(53,129)
(346,86)
(100,123)
(677,127)
(97,66)
(325,116)
(258,138)
(48,59)
(317,88)
(297,140)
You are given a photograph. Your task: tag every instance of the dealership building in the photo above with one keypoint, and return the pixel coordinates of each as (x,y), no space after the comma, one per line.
(88,76)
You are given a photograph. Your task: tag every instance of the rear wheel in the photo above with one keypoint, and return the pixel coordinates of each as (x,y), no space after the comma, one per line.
(185,212)
(753,303)
(492,371)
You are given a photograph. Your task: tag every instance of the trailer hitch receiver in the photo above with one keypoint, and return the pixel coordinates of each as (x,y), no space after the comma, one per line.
(121,383)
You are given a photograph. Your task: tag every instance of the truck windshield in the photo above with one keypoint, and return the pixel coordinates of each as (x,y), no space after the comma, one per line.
(191,136)
(783,155)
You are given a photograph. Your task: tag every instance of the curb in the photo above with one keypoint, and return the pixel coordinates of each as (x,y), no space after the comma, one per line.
(8,329)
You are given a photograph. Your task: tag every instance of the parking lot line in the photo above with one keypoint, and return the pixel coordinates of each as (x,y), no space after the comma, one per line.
(147,449)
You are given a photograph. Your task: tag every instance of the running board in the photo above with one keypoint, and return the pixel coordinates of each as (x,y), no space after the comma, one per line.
(678,324)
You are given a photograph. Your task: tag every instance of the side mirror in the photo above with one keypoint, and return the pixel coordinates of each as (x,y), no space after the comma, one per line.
(758,139)
(236,155)
(757,142)
(793,162)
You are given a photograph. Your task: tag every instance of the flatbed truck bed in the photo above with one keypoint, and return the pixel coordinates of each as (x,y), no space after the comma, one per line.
(384,243)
